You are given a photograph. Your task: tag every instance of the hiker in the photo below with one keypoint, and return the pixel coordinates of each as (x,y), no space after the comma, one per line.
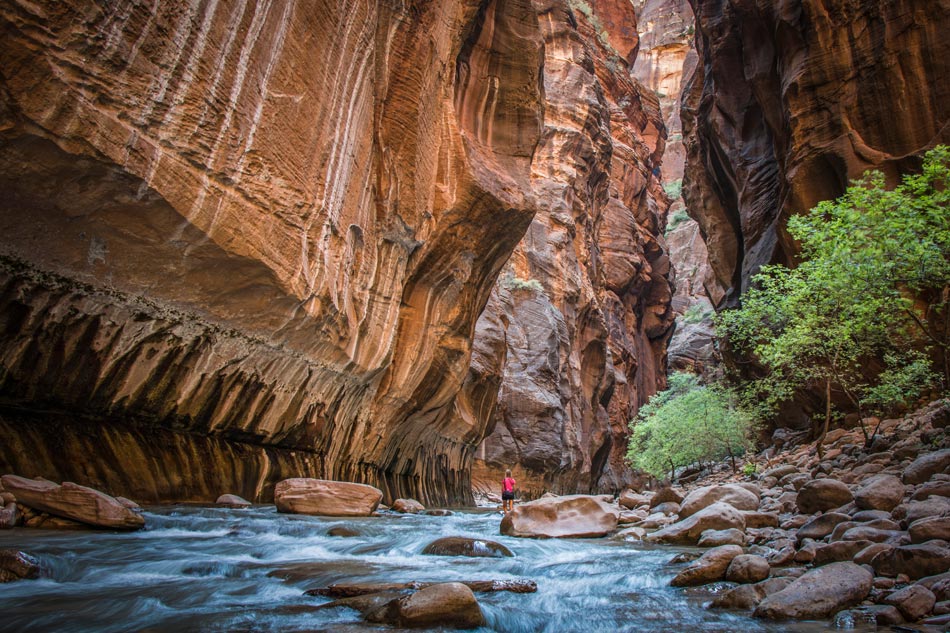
(508,492)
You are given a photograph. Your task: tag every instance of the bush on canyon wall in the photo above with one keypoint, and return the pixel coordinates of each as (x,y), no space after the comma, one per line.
(866,315)
(688,423)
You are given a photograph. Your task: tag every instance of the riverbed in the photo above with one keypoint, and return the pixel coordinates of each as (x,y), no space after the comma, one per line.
(218,569)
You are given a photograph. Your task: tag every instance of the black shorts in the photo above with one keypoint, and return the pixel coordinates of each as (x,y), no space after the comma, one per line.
(508,496)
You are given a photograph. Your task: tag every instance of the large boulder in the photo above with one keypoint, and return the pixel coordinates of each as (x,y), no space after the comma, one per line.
(748,596)
(916,561)
(818,594)
(718,516)
(880,492)
(735,495)
(462,546)
(450,605)
(72,501)
(326,498)
(572,516)
(821,495)
(926,466)
(709,567)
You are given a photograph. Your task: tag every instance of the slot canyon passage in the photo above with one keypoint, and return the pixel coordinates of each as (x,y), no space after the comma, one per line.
(293,293)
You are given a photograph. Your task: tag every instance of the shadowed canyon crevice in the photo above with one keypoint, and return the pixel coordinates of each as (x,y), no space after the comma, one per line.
(248,242)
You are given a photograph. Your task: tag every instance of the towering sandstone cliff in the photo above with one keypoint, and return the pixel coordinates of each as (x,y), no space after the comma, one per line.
(243,241)
(585,299)
(790,100)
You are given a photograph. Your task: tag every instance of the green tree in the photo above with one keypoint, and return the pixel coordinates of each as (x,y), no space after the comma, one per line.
(873,285)
(688,423)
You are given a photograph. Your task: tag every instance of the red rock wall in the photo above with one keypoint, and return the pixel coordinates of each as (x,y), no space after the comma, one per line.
(584,303)
(791,99)
(271,224)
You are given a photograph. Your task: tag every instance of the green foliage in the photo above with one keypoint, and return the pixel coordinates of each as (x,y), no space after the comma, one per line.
(688,423)
(675,219)
(512,282)
(749,469)
(674,189)
(696,313)
(868,259)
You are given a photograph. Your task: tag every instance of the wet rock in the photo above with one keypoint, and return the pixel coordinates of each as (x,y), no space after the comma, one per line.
(747,568)
(926,466)
(880,492)
(450,604)
(820,495)
(349,590)
(821,526)
(407,506)
(915,561)
(17,565)
(929,529)
(462,546)
(438,513)
(232,501)
(737,496)
(914,601)
(9,516)
(718,516)
(572,516)
(326,498)
(664,495)
(70,501)
(749,596)
(709,567)
(715,538)
(819,593)
(867,615)
(342,531)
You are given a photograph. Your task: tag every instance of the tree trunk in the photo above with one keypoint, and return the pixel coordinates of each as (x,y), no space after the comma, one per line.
(824,430)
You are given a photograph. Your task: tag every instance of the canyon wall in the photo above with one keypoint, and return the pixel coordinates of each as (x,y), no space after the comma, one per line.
(581,316)
(246,241)
(792,99)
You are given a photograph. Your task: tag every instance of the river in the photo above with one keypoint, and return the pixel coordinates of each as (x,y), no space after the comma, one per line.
(217,569)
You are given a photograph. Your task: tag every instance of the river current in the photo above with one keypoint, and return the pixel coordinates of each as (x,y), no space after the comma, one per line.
(217,569)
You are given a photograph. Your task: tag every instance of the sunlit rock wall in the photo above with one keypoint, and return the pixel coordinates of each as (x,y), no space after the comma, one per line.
(249,240)
(583,307)
(790,100)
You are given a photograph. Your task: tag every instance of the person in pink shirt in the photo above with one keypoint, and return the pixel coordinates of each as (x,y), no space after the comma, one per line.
(508,492)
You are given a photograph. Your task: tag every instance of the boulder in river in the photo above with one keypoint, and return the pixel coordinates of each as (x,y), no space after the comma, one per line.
(323,497)
(407,506)
(17,565)
(71,501)
(818,594)
(449,604)
(462,546)
(232,501)
(572,516)
(718,516)
(709,567)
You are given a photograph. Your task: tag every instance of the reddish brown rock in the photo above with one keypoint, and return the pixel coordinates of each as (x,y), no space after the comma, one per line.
(574,516)
(735,495)
(326,498)
(820,495)
(709,567)
(747,568)
(70,501)
(407,506)
(451,605)
(881,492)
(16,565)
(718,516)
(818,594)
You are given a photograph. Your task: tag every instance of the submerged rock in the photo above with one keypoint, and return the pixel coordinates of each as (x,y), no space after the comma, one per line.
(462,546)
(326,498)
(573,516)
(71,501)
(233,501)
(342,531)
(17,565)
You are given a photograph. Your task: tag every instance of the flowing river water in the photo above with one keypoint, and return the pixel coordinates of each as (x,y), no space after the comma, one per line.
(217,569)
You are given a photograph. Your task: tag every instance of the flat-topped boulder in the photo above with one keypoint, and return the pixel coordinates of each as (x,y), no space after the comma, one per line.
(464,546)
(718,516)
(571,516)
(323,497)
(818,594)
(739,497)
(72,501)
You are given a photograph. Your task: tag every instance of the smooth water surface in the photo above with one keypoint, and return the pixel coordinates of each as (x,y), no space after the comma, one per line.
(216,569)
